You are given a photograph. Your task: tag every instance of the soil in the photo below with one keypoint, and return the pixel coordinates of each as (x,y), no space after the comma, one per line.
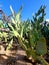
(14,56)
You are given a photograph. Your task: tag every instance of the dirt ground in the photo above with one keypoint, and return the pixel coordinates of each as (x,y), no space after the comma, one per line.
(15,56)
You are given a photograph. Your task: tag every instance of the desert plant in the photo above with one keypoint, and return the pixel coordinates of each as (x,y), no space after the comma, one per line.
(35,43)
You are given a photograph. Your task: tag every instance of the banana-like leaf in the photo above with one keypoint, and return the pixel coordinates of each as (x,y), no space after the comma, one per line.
(22,31)
(5,35)
(21,43)
(13,21)
(0,34)
(18,14)
(32,41)
(1,24)
(13,30)
(9,45)
(12,11)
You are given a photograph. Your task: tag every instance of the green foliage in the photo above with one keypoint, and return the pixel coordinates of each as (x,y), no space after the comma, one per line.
(41,48)
(3,36)
(45,31)
(29,34)
(1,24)
(9,45)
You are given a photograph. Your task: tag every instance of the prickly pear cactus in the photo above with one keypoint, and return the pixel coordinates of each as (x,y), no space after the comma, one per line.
(41,48)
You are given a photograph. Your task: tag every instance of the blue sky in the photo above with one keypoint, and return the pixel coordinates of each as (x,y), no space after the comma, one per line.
(29,7)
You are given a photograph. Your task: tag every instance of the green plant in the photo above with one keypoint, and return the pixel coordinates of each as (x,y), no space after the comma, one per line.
(34,43)
(37,43)
(1,24)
